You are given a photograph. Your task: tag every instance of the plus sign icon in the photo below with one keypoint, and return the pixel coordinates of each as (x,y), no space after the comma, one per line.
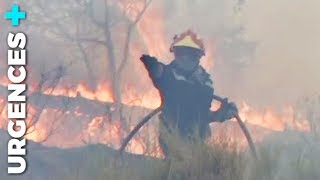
(15,15)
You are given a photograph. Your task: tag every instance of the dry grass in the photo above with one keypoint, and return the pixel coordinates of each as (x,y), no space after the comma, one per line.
(287,156)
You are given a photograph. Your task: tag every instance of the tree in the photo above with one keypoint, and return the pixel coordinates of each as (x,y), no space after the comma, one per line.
(89,27)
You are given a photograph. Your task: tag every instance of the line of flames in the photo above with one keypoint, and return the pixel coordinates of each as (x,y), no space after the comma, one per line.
(102,130)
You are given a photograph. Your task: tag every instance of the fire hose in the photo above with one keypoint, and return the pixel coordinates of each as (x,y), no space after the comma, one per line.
(243,128)
(154,112)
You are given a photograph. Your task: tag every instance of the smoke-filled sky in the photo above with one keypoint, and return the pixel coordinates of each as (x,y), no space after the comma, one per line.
(285,62)
(264,52)
(287,58)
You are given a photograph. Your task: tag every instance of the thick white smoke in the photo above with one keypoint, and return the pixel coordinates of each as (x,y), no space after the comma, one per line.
(267,52)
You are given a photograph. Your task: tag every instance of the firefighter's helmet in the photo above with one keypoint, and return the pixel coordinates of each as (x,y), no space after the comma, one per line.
(187,39)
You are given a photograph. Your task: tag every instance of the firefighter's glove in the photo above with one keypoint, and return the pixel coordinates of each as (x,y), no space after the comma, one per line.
(148,60)
(153,66)
(228,110)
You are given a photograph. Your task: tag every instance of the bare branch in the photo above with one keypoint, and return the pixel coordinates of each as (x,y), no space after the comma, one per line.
(128,37)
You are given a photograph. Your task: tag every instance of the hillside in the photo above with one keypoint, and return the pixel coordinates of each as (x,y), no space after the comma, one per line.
(282,156)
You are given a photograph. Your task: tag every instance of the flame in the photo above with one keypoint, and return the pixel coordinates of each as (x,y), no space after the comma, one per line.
(270,119)
(111,132)
(102,93)
(153,34)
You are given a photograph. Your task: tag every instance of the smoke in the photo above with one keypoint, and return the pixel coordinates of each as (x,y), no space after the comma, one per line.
(286,65)
(265,52)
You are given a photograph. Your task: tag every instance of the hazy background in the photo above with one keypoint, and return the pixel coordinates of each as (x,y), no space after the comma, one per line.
(262,52)
(284,65)
(287,61)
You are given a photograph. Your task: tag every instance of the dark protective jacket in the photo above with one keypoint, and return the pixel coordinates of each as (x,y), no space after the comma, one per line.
(186,97)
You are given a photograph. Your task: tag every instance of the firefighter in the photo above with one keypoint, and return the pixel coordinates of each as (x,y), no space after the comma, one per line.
(186,91)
